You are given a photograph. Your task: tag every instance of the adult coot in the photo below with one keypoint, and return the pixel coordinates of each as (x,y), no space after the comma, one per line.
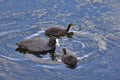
(69,59)
(58,31)
(37,45)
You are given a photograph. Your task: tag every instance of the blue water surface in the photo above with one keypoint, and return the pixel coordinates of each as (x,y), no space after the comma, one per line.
(96,39)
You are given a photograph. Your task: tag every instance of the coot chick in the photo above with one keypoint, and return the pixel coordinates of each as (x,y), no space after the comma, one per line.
(69,59)
(58,31)
(37,45)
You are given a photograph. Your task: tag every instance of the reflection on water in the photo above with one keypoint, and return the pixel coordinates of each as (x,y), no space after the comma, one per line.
(96,44)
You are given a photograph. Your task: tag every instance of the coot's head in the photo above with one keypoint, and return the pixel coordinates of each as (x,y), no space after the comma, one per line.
(54,41)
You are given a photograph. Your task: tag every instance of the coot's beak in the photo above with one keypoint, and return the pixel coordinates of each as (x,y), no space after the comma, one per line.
(73,26)
(57,42)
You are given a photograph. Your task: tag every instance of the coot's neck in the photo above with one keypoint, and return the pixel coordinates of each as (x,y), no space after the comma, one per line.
(68,28)
(52,42)
(64,51)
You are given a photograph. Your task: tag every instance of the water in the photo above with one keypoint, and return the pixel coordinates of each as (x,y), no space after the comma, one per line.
(97,44)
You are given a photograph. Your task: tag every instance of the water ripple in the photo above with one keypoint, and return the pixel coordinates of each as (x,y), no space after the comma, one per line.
(35,34)
(98,39)
(13,59)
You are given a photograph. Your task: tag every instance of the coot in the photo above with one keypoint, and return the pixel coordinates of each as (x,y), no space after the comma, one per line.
(58,31)
(37,45)
(69,59)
